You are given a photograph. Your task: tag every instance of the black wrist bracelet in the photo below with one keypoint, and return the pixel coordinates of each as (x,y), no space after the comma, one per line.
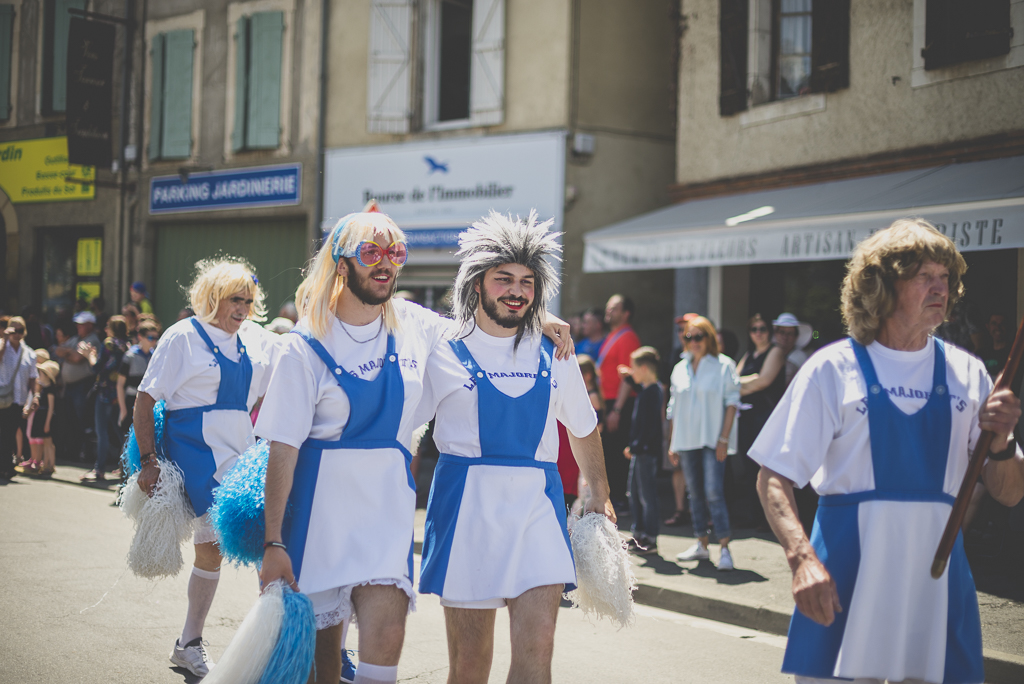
(1006,454)
(276,544)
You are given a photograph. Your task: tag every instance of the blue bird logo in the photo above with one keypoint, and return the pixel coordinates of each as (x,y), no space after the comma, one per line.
(436,165)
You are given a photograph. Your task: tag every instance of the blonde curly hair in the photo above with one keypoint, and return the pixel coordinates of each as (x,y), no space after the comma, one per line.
(218,279)
(896,253)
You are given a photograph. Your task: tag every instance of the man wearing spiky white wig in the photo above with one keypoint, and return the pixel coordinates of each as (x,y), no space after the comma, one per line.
(344,399)
(496,521)
(210,370)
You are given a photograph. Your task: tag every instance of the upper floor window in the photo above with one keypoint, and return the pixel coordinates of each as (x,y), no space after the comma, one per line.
(458,48)
(6,56)
(965,30)
(258,51)
(779,49)
(170,126)
(56,21)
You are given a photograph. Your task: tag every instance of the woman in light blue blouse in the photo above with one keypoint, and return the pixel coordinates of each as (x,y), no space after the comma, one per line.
(704,396)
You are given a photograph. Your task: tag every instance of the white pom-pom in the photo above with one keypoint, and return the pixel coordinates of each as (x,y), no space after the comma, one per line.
(247,655)
(162,523)
(604,575)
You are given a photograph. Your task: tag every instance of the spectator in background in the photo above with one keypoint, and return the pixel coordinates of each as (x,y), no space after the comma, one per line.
(280,325)
(105,362)
(42,419)
(591,333)
(129,374)
(140,297)
(37,334)
(77,377)
(130,312)
(792,336)
(289,311)
(762,372)
(705,393)
(995,350)
(644,449)
(18,396)
(728,343)
(98,306)
(592,379)
(615,351)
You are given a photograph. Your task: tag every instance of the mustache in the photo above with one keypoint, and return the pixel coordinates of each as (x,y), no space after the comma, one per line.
(513,300)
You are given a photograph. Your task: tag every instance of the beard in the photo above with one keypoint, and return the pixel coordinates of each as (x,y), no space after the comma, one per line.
(362,286)
(510,320)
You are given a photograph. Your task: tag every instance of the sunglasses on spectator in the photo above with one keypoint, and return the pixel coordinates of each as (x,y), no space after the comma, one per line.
(369,253)
(16,331)
(759,329)
(695,337)
(152,338)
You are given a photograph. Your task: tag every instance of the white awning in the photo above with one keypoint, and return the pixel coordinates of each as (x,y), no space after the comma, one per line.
(980,205)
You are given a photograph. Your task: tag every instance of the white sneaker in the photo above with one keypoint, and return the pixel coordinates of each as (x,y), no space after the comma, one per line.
(725,561)
(193,657)
(696,552)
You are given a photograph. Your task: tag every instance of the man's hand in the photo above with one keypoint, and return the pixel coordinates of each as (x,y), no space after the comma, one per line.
(602,506)
(558,331)
(626,452)
(276,565)
(148,477)
(611,421)
(999,414)
(814,591)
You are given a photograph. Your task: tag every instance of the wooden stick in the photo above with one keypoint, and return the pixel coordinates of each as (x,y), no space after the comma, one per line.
(963,498)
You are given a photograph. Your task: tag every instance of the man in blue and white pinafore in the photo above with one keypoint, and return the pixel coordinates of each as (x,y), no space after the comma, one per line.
(496,520)
(882,426)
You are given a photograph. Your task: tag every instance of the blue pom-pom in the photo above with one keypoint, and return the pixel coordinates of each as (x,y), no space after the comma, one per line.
(237,511)
(131,458)
(292,658)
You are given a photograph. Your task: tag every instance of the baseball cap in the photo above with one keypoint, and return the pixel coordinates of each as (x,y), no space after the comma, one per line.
(139,286)
(84,317)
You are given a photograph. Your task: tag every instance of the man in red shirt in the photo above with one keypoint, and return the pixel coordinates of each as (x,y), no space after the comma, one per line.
(618,397)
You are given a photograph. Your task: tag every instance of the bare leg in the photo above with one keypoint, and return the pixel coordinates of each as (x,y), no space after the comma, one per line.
(328,656)
(49,454)
(470,644)
(532,616)
(679,489)
(380,610)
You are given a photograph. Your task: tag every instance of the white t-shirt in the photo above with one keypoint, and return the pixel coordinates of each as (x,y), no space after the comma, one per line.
(185,373)
(453,389)
(304,400)
(819,431)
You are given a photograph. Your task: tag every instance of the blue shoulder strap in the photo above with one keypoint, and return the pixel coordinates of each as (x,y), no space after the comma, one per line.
(320,351)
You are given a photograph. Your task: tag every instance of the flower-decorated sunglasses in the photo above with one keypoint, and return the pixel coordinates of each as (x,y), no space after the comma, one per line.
(369,253)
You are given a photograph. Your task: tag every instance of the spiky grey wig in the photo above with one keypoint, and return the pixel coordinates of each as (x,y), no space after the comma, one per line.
(497,240)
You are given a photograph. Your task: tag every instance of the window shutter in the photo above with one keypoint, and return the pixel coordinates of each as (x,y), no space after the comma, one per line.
(263,128)
(487,72)
(6,40)
(177,124)
(964,30)
(389,82)
(732,93)
(61,23)
(241,83)
(830,45)
(156,100)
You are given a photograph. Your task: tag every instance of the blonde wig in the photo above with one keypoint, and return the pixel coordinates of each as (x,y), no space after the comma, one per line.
(705,326)
(497,240)
(220,278)
(318,294)
(896,253)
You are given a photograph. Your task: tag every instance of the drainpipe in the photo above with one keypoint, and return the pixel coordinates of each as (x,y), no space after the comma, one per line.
(318,210)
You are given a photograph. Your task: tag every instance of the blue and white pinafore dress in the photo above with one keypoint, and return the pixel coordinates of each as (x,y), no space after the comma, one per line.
(204,441)
(353,500)
(897,622)
(506,537)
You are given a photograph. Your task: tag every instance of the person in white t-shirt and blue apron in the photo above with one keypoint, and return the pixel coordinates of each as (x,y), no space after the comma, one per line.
(210,370)
(496,520)
(882,426)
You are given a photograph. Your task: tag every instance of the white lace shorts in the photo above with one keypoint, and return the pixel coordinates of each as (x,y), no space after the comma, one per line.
(202,530)
(334,606)
(485,604)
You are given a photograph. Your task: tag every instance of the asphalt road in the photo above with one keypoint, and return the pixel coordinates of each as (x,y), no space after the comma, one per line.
(73,613)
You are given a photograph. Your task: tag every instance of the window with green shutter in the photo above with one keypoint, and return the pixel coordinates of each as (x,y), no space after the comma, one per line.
(170,125)
(258,43)
(56,21)
(6,39)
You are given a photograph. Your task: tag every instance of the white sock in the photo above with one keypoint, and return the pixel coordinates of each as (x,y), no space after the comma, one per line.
(201,588)
(376,674)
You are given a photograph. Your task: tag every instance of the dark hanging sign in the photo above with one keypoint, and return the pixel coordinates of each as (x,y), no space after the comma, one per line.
(90,92)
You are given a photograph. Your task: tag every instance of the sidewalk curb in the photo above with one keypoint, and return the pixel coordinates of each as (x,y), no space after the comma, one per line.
(1000,668)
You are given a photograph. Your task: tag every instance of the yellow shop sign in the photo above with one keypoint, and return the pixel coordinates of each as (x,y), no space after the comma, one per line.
(34,171)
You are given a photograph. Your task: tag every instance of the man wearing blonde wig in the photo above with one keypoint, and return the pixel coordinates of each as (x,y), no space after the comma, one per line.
(210,369)
(882,426)
(495,530)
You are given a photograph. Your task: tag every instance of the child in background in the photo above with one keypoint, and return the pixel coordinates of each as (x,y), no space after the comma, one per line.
(40,421)
(645,449)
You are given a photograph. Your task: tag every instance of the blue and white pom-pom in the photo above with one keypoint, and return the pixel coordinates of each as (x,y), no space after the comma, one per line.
(604,573)
(237,511)
(162,521)
(275,643)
